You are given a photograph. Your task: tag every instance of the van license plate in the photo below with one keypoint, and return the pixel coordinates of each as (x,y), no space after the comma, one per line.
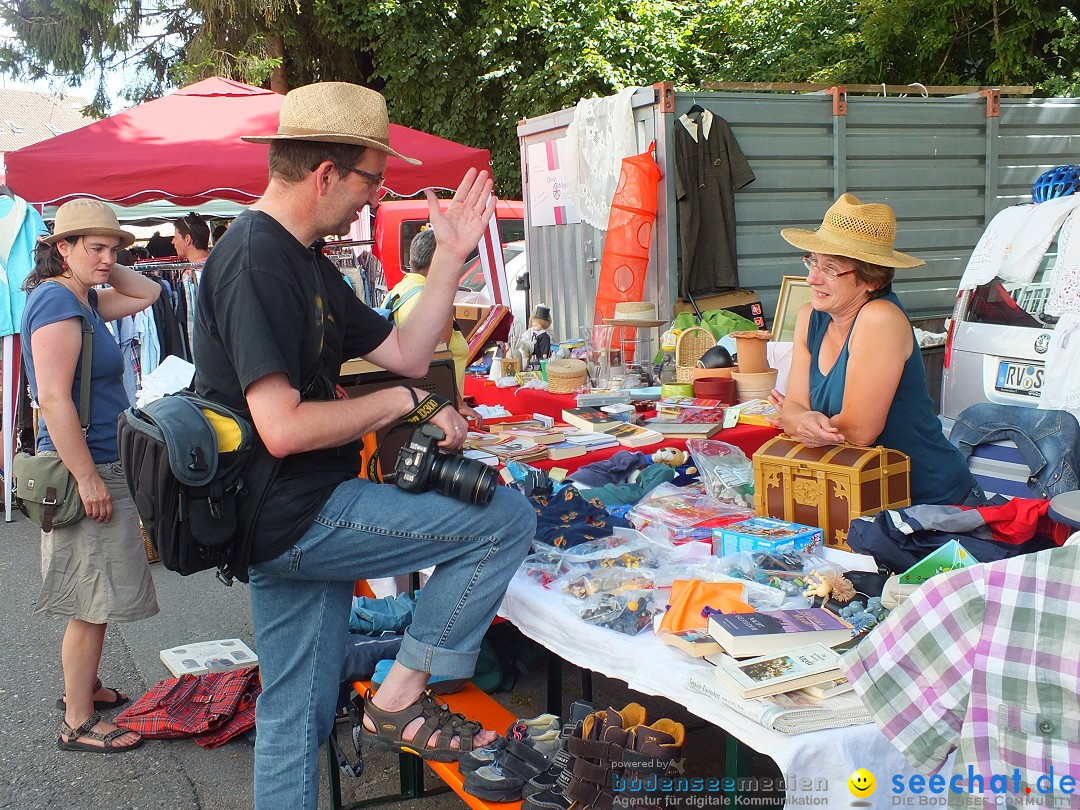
(1019,378)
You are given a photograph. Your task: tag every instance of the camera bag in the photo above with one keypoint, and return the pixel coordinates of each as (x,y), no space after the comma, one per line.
(197,502)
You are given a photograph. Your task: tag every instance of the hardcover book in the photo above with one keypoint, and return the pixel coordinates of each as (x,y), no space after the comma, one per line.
(589,418)
(208,656)
(744,635)
(785,672)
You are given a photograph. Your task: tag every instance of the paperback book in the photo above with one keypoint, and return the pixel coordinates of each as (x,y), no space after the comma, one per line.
(787,713)
(697,643)
(745,635)
(633,435)
(773,674)
(564,450)
(828,689)
(208,656)
(685,430)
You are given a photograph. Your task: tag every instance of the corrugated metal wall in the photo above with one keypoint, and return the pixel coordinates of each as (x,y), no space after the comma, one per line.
(944,165)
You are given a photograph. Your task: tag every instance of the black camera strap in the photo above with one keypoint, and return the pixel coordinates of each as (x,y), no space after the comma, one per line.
(422,411)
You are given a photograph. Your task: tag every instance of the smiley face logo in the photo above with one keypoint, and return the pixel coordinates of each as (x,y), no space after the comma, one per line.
(862,783)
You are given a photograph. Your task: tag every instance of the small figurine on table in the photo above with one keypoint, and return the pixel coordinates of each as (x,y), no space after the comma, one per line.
(535,342)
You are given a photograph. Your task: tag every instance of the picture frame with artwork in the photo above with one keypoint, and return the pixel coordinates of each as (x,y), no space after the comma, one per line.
(794,293)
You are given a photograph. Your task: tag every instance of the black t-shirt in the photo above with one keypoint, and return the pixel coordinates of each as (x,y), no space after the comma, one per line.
(267,305)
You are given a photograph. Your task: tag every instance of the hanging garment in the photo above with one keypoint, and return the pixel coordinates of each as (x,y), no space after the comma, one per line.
(20,227)
(709,168)
(600,136)
(1061,384)
(1014,242)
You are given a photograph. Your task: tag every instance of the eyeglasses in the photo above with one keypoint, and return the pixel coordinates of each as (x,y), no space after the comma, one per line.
(827,270)
(376,180)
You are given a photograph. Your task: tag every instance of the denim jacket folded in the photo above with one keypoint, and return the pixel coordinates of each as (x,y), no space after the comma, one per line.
(1049,442)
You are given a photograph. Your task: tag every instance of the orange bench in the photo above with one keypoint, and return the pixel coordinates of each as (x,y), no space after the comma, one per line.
(472,702)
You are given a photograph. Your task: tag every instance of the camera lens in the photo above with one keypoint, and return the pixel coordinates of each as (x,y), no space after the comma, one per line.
(463,478)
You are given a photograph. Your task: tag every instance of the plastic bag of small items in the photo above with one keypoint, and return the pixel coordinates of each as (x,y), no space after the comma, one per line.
(725,471)
(627,612)
(583,583)
(785,569)
(613,552)
(543,566)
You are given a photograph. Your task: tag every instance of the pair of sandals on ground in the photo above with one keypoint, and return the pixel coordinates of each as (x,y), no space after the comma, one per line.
(84,738)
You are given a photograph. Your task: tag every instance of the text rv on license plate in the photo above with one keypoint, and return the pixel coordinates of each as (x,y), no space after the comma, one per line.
(1019,378)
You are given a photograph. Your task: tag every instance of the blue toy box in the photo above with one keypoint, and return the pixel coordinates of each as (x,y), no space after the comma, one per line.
(764,533)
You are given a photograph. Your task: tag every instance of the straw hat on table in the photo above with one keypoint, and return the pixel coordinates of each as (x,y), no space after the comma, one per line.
(857,230)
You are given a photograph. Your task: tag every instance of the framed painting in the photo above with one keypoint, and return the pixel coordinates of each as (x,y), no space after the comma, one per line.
(794,293)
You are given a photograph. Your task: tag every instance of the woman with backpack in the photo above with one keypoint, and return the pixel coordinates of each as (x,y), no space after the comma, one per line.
(95,570)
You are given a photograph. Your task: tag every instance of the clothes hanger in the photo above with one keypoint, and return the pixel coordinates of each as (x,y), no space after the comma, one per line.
(695,108)
(5,191)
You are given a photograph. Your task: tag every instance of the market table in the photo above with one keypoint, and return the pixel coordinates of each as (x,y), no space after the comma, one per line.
(815,766)
(518,400)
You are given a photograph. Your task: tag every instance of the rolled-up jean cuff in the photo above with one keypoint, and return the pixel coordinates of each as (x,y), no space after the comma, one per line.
(436,660)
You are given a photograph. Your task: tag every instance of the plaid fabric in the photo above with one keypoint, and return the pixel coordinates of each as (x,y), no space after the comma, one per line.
(213,708)
(985,660)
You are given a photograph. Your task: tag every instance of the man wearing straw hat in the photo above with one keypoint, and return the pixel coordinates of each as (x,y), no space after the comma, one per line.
(856,374)
(275,321)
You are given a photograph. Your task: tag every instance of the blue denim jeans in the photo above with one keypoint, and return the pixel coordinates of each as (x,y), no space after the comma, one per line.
(301,603)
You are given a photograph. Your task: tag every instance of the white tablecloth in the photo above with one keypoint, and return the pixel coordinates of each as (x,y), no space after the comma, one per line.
(824,758)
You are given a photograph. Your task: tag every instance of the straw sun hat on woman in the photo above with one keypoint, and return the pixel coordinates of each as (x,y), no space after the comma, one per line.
(856,230)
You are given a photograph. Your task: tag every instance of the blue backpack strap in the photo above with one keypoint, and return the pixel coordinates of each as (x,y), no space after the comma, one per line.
(401,299)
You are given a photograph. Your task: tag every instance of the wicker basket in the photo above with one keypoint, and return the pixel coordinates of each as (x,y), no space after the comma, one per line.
(692,343)
(151,553)
(566,376)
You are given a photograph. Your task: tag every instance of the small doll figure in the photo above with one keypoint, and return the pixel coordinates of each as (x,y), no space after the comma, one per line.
(536,342)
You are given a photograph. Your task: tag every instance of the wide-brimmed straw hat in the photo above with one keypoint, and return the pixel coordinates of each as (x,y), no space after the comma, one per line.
(85,217)
(857,230)
(334,112)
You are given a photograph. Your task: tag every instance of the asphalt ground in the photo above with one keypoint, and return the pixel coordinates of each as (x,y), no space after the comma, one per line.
(177,774)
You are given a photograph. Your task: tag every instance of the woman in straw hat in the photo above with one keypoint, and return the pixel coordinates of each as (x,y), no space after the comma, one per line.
(94,571)
(856,374)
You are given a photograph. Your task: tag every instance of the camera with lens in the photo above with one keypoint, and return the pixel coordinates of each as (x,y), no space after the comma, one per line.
(421,466)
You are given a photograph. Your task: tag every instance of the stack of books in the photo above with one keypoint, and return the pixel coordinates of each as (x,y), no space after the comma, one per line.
(511,448)
(783,672)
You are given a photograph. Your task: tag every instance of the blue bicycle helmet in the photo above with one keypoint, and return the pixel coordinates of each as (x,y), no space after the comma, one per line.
(1060,181)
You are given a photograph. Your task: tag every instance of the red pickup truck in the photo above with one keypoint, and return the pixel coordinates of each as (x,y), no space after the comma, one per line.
(398,221)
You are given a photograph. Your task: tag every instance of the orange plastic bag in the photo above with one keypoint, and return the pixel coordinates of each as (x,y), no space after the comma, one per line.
(689,596)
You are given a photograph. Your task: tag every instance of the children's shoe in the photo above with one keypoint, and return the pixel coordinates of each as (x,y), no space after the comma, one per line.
(519,760)
(437,684)
(534,727)
(579,710)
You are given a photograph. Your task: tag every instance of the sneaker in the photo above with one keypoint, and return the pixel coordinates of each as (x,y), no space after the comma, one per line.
(532,727)
(579,710)
(519,760)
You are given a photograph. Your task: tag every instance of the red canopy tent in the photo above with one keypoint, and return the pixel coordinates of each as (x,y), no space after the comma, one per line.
(185,148)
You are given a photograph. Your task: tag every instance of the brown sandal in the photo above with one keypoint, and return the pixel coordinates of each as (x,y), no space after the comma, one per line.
(85,731)
(438,719)
(99,705)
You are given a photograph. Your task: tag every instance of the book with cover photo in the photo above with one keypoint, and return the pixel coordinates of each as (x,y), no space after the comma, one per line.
(745,635)
(697,643)
(589,419)
(787,713)
(785,672)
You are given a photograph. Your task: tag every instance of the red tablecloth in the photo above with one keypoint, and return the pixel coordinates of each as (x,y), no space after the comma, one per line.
(747,438)
(518,400)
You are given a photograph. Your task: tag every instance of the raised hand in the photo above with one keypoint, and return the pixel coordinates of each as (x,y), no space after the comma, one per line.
(458,229)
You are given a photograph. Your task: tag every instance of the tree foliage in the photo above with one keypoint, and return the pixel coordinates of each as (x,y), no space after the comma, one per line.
(470,70)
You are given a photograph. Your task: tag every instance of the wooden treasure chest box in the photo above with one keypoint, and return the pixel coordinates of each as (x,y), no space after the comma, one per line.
(830,486)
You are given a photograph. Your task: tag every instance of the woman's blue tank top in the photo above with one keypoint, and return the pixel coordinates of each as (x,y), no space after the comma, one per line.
(938,472)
